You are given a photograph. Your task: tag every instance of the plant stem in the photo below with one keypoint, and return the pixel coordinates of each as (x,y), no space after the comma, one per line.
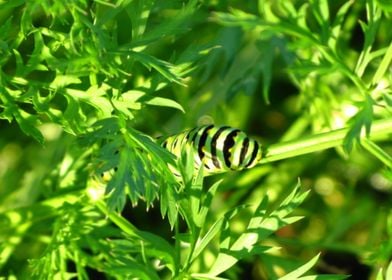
(379,153)
(379,130)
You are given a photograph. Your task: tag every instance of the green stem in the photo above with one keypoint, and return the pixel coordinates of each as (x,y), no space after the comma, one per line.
(118,220)
(379,153)
(380,129)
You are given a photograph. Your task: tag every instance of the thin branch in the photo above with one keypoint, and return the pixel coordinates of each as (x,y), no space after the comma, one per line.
(379,130)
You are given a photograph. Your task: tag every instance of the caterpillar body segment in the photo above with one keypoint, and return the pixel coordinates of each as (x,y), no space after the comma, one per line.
(217,148)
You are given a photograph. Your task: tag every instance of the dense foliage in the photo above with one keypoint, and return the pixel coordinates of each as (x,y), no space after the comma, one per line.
(86,87)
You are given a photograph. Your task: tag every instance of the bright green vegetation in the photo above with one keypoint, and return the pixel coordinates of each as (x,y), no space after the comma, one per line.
(87,86)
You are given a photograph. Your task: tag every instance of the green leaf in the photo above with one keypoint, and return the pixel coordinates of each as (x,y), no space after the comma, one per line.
(129,267)
(203,242)
(159,246)
(74,117)
(362,119)
(267,50)
(260,226)
(337,25)
(139,15)
(370,31)
(151,250)
(62,81)
(161,101)
(301,270)
(137,166)
(388,274)
(27,123)
(128,102)
(206,201)
(320,10)
(133,99)
(387,97)
(169,204)
(383,66)
(163,67)
(94,96)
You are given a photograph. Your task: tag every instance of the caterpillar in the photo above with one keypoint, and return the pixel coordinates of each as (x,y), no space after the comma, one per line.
(217,148)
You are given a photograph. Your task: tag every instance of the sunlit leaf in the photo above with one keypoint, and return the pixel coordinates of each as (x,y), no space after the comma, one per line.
(260,226)
(301,270)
